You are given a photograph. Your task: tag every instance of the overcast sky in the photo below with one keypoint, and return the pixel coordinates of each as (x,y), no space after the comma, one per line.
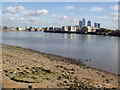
(42,14)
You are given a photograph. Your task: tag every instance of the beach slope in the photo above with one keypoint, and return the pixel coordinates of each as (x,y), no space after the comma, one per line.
(25,68)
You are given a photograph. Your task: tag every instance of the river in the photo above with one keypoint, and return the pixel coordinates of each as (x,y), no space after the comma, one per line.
(100,51)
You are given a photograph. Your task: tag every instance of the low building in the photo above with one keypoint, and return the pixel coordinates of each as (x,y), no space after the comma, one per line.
(65,28)
(71,28)
(84,30)
(30,29)
(13,29)
(19,29)
(57,29)
(115,33)
(88,29)
(77,28)
(45,29)
(51,28)
(101,31)
(92,29)
(5,27)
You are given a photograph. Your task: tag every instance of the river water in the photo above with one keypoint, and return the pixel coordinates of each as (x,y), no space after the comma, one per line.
(100,51)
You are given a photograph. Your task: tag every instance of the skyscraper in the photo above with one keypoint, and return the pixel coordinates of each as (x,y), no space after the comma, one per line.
(83,22)
(80,24)
(89,23)
(95,25)
(98,25)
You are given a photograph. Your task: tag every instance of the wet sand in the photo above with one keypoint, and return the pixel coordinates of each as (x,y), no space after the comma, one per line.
(23,68)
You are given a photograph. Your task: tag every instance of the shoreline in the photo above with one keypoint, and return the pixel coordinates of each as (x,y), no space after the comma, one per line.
(59,64)
(65,59)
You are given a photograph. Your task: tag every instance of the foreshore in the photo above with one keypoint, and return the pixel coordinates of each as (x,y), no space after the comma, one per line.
(23,68)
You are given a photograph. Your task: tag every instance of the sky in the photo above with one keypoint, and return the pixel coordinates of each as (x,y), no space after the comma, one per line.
(57,14)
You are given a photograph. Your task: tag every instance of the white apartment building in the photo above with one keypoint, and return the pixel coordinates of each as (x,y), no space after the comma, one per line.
(65,28)
(72,28)
(91,29)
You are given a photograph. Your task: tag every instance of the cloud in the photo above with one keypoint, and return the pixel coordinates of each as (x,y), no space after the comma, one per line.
(60,20)
(22,18)
(70,7)
(96,9)
(71,14)
(36,13)
(115,17)
(13,10)
(73,21)
(33,19)
(59,17)
(115,20)
(115,7)
(65,17)
(115,14)
(19,9)
(47,23)
(16,19)
(16,2)
(81,8)
(12,18)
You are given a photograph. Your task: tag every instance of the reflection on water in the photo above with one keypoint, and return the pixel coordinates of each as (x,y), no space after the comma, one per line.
(65,36)
(102,50)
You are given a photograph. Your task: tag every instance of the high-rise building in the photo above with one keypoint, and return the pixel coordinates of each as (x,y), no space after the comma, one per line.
(98,25)
(89,23)
(83,22)
(95,25)
(80,24)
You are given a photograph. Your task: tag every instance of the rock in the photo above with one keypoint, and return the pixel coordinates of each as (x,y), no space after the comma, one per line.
(26,68)
(65,81)
(108,84)
(18,69)
(103,76)
(100,86)
(48,78)
(59,78)
(107,80)
(5,71)
(71,72)
(48,71)
(29,86)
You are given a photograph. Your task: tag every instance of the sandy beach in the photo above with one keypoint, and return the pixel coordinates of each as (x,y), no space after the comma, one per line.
(25,68)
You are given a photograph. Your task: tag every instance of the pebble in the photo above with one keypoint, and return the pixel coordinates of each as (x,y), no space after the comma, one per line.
(108,84)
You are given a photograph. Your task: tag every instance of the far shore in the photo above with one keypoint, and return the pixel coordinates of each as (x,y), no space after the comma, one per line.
(26,68)
(66,32)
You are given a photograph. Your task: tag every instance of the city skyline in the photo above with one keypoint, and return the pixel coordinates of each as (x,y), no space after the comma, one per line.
(44,14)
